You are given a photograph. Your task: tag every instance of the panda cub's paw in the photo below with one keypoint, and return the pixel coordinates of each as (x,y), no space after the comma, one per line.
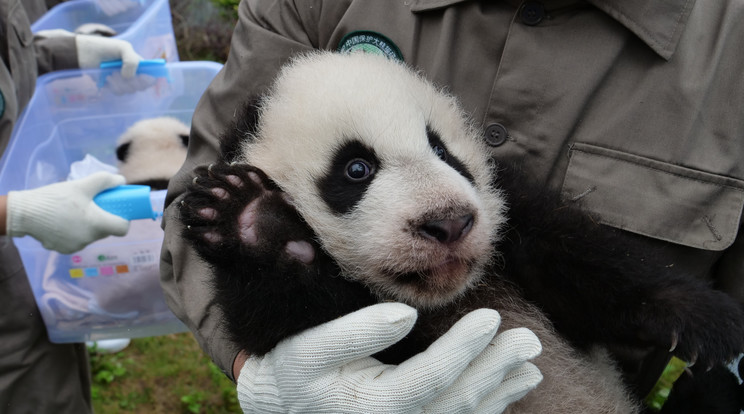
(700,325)
(235,211)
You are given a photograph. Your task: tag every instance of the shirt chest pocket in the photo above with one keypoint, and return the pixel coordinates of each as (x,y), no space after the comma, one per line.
(656,199)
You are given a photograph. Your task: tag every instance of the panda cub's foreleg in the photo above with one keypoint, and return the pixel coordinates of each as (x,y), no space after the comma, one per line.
(271,277)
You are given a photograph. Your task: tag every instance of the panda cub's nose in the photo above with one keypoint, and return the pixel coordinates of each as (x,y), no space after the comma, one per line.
(448,230)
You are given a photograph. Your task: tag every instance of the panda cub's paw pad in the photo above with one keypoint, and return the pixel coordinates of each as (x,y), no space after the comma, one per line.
(229,206)
(219,209)
(300,250)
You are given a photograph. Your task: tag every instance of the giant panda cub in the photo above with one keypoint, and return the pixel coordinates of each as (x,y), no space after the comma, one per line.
(152,150)
(355,181)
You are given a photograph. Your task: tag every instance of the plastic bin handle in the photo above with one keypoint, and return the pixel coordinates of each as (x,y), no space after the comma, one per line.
(131,202)
(141,3)
(152,67)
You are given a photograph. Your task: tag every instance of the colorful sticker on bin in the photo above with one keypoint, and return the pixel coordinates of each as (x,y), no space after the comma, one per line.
(104,265)
(78,272)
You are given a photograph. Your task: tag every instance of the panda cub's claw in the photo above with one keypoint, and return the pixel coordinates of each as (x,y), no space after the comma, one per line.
(235,209)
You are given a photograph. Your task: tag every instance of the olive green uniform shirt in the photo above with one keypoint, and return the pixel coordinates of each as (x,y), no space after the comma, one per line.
(24,58)
(36,376)
(631,107)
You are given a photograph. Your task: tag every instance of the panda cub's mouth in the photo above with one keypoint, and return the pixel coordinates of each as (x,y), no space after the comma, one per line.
(444,279)
(443,259)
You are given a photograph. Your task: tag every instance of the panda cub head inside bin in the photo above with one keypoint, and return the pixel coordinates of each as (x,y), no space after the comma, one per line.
(152,150)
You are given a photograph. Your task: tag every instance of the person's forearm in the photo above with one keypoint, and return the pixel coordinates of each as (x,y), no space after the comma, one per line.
(3,214)
(238,364)
(55,53)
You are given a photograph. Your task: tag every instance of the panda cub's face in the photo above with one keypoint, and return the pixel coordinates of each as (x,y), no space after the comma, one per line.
(152,150)
(386,170)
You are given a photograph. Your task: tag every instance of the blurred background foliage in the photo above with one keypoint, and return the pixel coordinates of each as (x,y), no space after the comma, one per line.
(203,28)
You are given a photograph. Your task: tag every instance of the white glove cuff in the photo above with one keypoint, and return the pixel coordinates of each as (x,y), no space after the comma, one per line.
(257,393)
(29,215)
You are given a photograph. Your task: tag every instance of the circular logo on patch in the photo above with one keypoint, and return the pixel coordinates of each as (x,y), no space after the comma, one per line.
(369,42)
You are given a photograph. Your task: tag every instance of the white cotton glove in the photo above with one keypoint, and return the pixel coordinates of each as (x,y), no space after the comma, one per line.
(113,7)
(92,50)
(328,369)
(63,216)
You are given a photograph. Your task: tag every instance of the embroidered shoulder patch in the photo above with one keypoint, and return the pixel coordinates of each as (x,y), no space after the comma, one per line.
(369,42)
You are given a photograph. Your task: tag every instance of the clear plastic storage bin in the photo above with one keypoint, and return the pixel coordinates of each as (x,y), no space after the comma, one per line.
(146,25)
(111,288)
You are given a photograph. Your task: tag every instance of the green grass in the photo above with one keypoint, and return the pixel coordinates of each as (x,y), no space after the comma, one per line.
(163,374)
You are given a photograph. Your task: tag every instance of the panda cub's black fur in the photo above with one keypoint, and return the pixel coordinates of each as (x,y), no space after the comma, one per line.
(355,181)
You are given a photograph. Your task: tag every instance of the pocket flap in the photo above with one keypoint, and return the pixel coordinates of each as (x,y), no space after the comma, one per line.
(426,5)
(653,198)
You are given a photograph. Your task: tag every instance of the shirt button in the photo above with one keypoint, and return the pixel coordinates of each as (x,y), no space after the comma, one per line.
(495,135)
(532,13)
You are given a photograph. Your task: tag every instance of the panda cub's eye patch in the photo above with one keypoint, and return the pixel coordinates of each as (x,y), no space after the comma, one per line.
(358,170)
(440,152)
(122,151)
(352,170)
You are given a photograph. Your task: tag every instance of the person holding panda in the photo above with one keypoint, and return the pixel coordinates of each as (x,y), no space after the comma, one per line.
(37,375)
(622,105)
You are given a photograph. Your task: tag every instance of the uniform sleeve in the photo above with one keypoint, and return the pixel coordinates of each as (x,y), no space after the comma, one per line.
(55,53)
(266,35)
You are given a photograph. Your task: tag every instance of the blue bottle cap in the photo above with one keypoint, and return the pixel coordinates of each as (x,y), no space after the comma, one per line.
(131,202)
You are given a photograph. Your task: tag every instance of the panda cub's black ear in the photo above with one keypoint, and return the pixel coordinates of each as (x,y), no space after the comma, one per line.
(122,151)
(242,127)
(184,139)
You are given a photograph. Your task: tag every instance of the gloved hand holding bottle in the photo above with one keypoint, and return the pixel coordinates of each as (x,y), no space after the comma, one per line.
(63,216)
(92,50)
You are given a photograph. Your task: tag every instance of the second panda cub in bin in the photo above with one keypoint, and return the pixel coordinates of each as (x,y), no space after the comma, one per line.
(152,150)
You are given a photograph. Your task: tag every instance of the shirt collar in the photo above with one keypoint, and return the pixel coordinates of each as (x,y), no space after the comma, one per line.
(658,23)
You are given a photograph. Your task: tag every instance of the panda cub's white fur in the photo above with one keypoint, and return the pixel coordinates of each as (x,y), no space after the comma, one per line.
(152,150)
(413,183)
